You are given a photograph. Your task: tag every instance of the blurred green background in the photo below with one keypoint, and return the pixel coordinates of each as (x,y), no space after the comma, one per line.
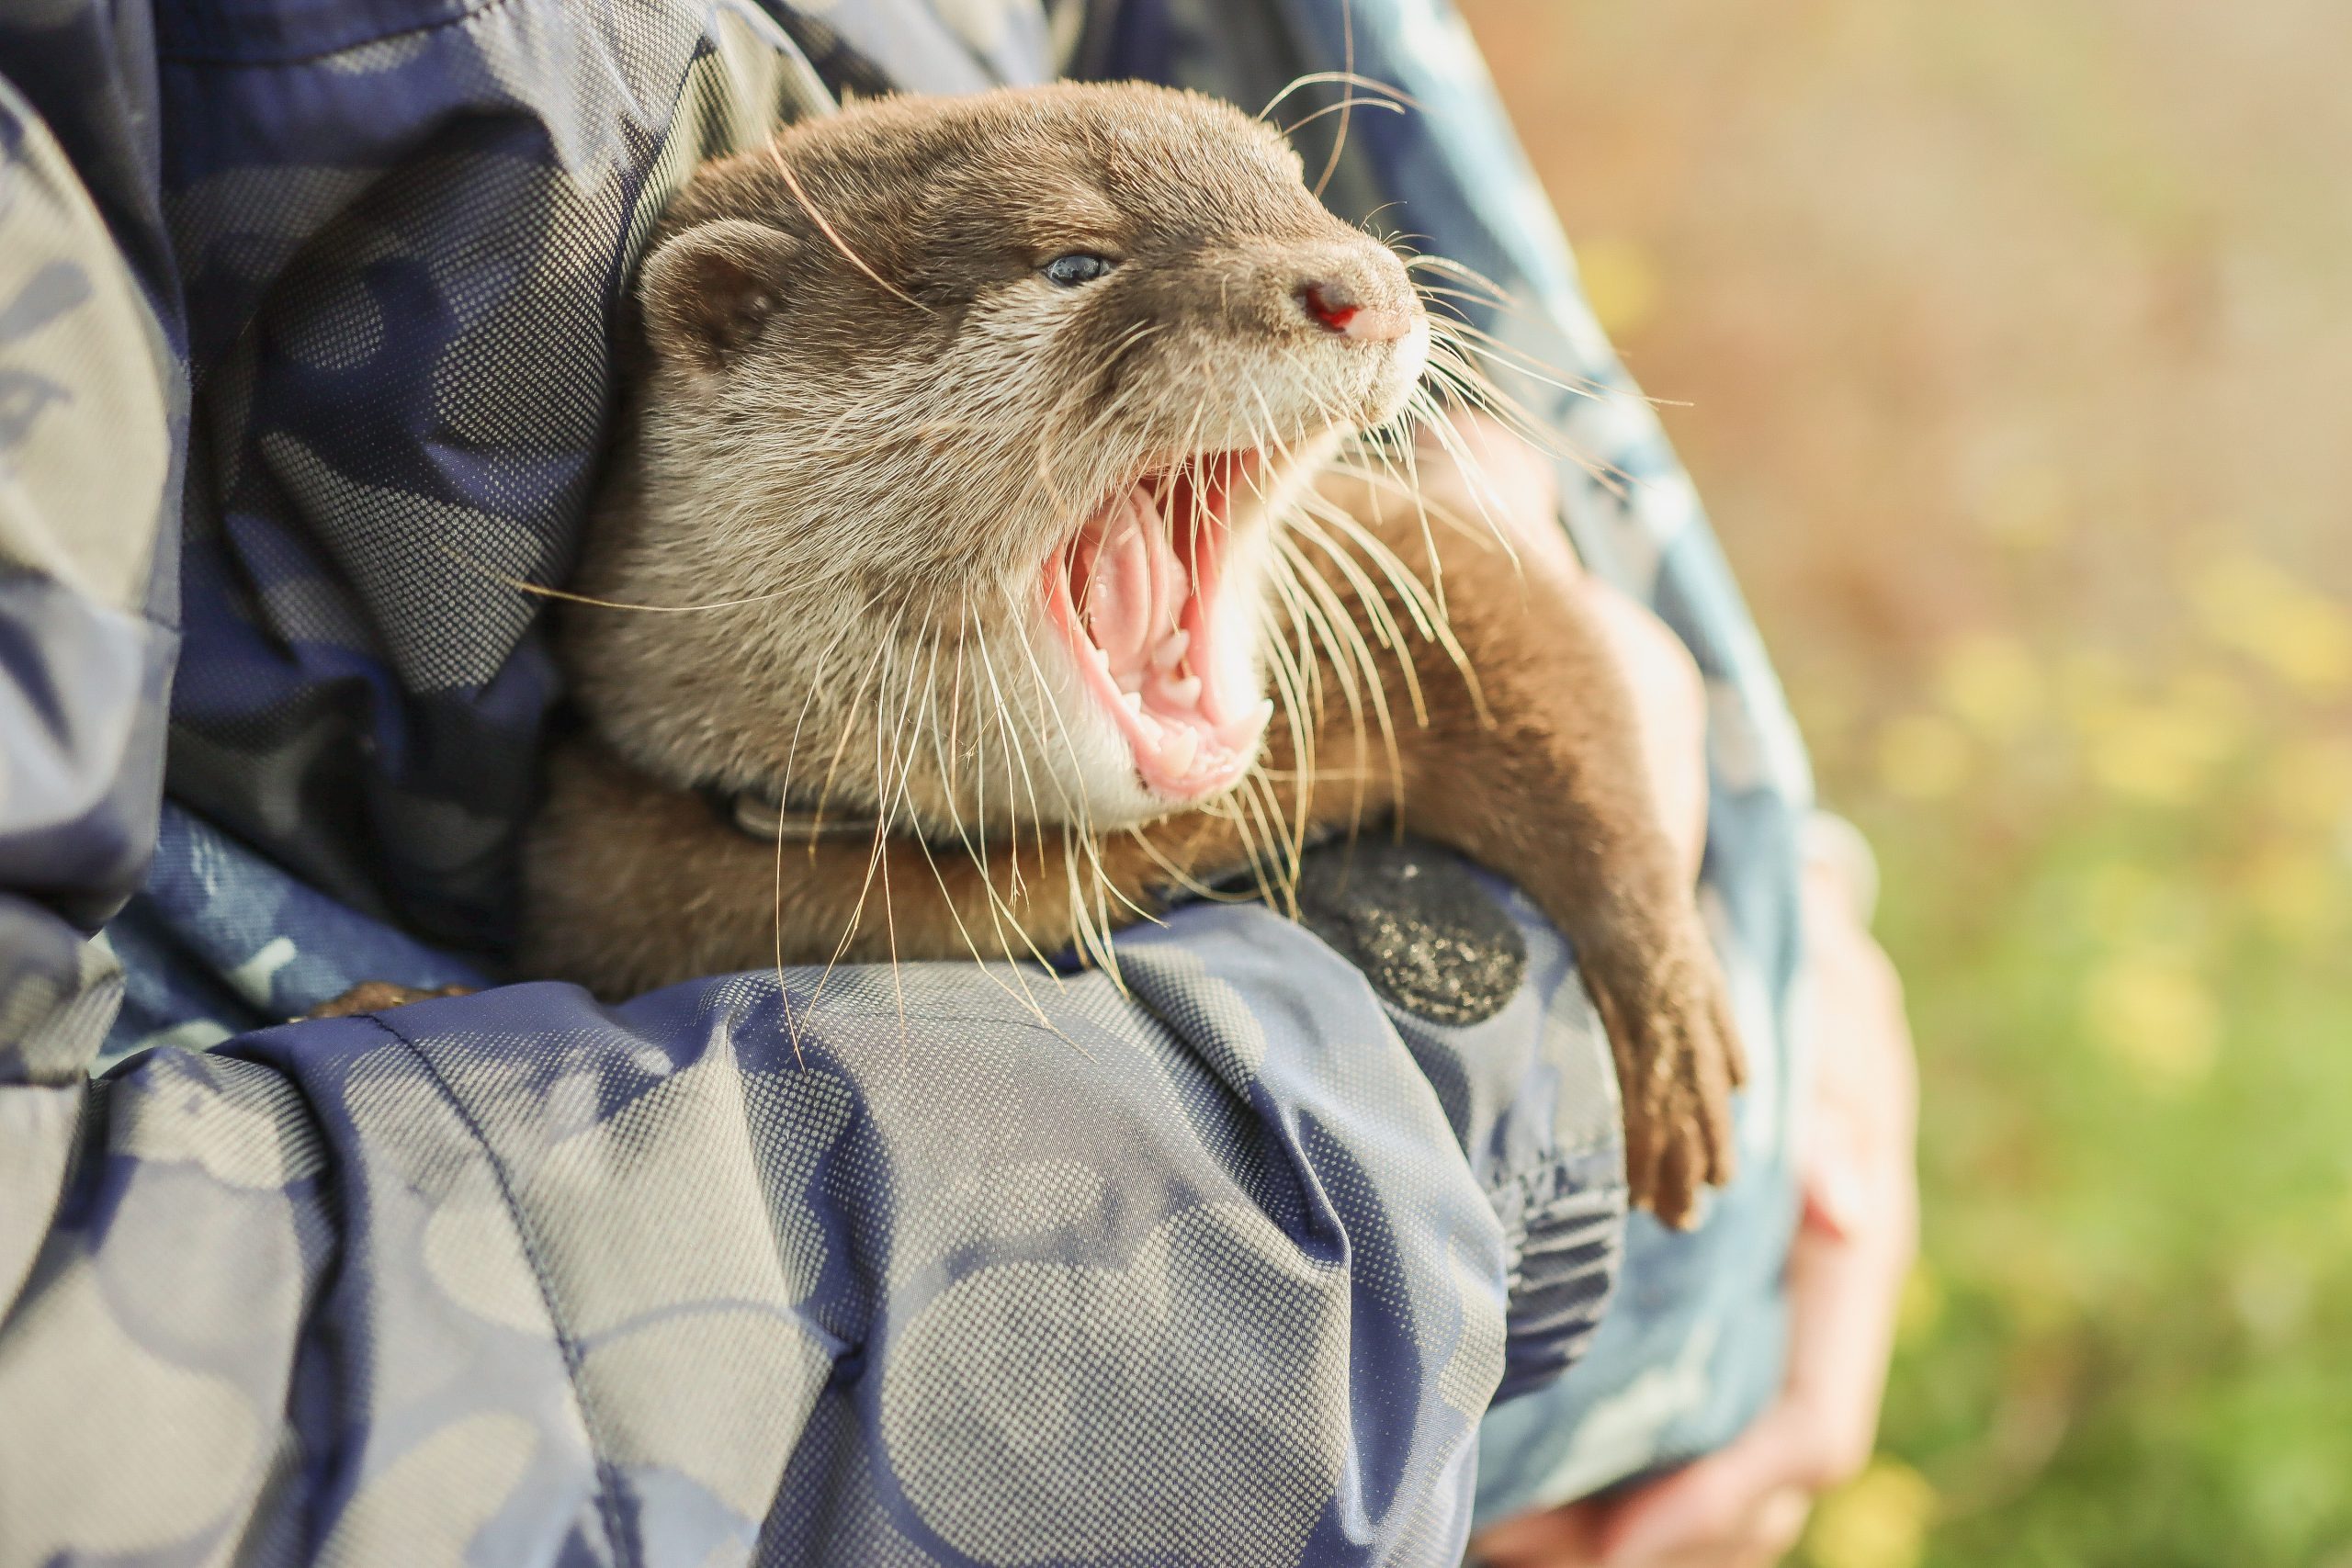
(2017,342)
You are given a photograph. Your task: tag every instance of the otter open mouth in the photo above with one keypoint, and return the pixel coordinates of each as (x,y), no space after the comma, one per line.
(1169,657)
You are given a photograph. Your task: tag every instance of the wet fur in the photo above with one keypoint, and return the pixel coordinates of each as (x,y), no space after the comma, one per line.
(857,424)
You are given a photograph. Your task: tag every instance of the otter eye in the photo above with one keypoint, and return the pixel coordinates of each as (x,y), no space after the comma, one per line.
(1078,267)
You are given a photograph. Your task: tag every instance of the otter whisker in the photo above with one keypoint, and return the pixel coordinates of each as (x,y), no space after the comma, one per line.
(920,722)
(1349,655)
(1342,108)
(873,865)
(882,856)
(1083,825)
(776,155)
(541,590)
(1495,292)
(1454,367)
(1410,590)
(1176,872)
(1480,486)
(841,745)
(1000,910)
(1292,672)
(1347,100)
(1468,338)
(1003,709)
(791,754)
(1304,698)
(1349,77)
(1281,891)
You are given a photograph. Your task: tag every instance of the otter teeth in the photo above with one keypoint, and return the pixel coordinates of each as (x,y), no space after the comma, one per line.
(1170,651)
(1180,692)
(1177,751)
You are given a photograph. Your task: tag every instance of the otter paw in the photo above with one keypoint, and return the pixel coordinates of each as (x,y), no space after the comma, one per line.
(1670,1022)
(375,996)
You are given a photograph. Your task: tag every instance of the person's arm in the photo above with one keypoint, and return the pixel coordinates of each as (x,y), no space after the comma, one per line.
(1747,1505)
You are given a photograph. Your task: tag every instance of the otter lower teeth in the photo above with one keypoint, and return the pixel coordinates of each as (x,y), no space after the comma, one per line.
(1182,693)
(1176,753)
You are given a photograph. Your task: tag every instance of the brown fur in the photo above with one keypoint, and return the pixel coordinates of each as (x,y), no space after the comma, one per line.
(860,424)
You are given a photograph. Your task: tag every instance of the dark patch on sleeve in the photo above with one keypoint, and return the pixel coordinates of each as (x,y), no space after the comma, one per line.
(1415,921)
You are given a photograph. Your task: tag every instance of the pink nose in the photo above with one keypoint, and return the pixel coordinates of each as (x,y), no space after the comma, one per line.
(1332,305)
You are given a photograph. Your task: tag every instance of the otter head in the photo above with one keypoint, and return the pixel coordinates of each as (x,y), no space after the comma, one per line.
(973,418)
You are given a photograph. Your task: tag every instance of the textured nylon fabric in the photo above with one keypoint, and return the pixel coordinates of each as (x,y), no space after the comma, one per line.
(305,310)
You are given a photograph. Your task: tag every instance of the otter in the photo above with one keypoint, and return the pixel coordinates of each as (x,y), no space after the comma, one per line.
(1009,529)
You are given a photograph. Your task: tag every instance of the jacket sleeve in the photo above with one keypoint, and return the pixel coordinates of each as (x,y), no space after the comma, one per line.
(91,402)
(915,1270)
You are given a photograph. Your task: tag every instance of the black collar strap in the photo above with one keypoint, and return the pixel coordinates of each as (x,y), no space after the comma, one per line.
(755,815)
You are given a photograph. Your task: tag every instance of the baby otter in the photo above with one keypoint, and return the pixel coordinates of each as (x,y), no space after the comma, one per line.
(972,445)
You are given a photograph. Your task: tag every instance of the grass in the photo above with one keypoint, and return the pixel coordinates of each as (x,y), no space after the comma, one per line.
(2018,338)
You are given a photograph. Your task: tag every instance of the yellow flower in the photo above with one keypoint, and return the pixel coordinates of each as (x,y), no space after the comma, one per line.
(2295,890)
(2248,604)
(2038,1291)
(2154,1015)
(2090,679)
(1991,682)
(1620,283)
(2214,695)
(1878,1519)
(2026,506)
(1922,756)
(2310,783)
(2157,752)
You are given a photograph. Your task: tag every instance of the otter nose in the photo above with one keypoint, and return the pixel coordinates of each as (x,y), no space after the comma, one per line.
(1340,307)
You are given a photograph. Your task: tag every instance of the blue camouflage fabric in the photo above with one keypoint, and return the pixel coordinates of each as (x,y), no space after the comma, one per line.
(305,316)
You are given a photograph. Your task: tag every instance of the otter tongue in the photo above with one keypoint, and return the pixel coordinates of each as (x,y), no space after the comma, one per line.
(1136,589)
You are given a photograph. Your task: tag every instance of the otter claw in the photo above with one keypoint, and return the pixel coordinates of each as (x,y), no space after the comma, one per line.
(1678,1060)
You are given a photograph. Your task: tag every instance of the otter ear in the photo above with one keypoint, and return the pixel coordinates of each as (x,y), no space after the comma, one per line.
(707,292)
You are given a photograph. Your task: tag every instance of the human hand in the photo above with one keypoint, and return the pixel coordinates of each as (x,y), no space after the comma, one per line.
(1746,1505)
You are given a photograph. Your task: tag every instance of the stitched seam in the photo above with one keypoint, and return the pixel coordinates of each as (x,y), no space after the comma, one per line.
(607,1474)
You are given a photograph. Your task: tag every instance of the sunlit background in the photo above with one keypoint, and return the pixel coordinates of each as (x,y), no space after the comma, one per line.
(2017,341)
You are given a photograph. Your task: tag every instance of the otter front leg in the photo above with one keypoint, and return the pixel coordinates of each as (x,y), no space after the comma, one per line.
(1550,786)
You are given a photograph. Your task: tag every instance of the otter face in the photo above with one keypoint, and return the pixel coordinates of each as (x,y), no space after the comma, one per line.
(983,412)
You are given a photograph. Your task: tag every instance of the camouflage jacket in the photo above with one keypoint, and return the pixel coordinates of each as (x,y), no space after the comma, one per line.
(1266,1260)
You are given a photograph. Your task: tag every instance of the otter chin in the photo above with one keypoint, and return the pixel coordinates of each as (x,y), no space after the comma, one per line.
(1156,600)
